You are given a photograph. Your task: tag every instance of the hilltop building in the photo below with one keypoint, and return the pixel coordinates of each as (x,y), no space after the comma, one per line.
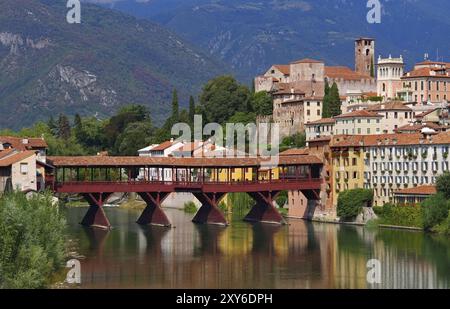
(390,71)
(428,82)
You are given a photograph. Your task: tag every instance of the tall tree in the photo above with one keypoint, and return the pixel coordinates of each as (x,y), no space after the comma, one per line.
(78,127)
(64,131)
(372,68)
(191,109)
(52,125)
(175,106)
(326,108)
(222,97)
(335,101)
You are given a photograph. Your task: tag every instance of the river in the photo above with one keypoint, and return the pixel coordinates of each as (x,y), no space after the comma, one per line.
(299,255)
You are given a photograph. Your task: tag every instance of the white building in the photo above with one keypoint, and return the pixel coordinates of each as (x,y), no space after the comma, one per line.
(390,70)
(398,161)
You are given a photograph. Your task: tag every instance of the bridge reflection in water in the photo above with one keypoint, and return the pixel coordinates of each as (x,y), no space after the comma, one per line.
(208,179)
(299,255)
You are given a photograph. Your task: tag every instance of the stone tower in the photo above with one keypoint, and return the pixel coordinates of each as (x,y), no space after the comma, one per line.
(365,56)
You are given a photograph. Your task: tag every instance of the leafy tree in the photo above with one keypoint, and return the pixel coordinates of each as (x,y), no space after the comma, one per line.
(297,140)
(32,242)
(351,202)
(52,125)
(262,103)
(92,136)
(64,131)
(222,97)
(335,101)
(434,210)
(125,116)
(282,198)
(443,184)
(137,135)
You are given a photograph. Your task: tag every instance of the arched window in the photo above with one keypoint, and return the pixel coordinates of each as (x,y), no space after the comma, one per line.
(384,87)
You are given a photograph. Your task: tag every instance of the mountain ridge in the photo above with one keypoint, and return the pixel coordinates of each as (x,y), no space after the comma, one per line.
(48,66)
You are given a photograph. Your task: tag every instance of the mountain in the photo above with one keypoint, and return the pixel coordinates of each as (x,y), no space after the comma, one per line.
(48,66)
(250,35)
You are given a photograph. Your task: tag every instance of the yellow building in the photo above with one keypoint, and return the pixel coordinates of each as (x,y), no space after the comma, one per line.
(348,164)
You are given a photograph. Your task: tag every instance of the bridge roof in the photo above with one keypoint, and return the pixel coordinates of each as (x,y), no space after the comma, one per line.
(107,161)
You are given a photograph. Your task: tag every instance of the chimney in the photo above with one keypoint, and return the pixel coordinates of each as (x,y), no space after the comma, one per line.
(25,141)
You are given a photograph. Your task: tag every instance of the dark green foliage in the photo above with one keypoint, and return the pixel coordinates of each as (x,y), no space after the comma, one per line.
(282,198)
(190,207)
(434,210)
(262,103)
(335,101)
(64,131)
(400,215)
(351,202)
(191,109)
(326,108)
(118,123)
(222,97)
(443,184)
(175,106)
(136,135)
(294,141)
(32,242)
(372,68)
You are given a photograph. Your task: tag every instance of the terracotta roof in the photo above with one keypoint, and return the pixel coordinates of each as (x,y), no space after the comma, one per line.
(421,115)
(359,114)
(163,146)
(424,72)
(322,121)
(295,152)
(420,190)
(283,68)
(426,62)
(345,73)
(173,161)
(18,142)
(320,139)
(401,139)
(7,152)
(307,60)
(418,127)
(394,105)
(16,157)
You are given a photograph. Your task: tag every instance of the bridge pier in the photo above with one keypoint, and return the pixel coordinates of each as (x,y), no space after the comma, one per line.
(95,216)
(209,212)
(264,211)
(153,213)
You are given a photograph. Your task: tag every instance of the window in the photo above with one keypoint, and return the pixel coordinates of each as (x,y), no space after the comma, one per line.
(354,162)
(24,168)
(308,112)
(318,112)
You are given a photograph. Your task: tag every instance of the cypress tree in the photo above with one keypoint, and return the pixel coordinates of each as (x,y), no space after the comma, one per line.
(191,109)
(175,106)
(52,125)
(335,101)
(63,127)
(326,108)
(78,127)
